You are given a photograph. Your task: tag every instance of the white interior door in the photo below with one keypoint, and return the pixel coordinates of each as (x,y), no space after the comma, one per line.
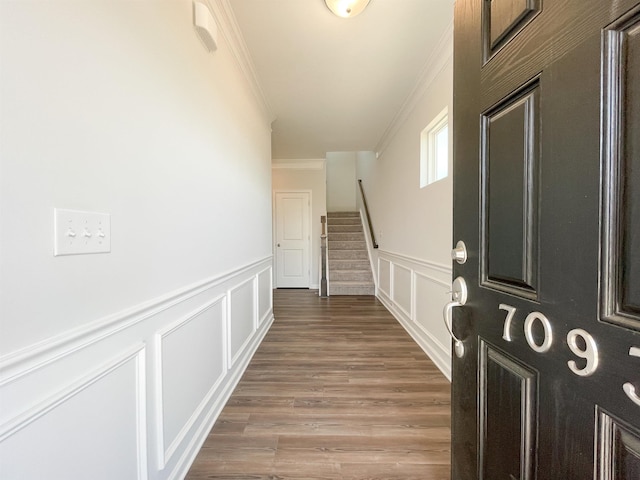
(292,239)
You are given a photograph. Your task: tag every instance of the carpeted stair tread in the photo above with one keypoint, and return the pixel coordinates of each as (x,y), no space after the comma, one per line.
(350,264)
(347,245)
(347,255)
(344,228)
(351,276)
(349,267)
(351,288)
(343,214)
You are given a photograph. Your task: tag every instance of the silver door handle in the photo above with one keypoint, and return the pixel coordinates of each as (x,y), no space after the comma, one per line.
(459,298)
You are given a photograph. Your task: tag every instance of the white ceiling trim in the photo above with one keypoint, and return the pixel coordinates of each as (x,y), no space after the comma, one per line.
(299,164)
(441,56)
(238,48)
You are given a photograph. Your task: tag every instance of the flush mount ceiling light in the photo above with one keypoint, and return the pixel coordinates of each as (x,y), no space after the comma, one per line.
(347,8)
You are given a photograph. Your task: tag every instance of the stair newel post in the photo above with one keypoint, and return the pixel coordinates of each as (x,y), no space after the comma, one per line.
(323,258)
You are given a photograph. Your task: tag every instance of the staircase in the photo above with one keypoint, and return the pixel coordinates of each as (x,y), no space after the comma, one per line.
(349,268)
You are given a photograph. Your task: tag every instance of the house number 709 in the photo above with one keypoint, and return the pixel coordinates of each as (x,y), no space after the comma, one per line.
(589,352)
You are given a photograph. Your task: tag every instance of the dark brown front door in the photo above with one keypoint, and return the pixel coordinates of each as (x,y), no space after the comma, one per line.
(547,201)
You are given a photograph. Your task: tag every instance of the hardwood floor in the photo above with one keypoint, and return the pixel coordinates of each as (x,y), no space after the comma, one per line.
(337,390)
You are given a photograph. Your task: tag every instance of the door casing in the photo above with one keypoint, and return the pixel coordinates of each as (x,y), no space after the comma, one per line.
(309,259)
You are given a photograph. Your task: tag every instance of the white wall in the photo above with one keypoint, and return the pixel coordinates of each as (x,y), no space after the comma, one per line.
(341,181)
(412,225)
(116,107)
(292,175)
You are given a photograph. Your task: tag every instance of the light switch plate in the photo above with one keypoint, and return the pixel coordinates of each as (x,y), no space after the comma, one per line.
(78,232)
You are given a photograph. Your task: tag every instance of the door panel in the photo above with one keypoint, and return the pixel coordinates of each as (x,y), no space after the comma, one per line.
(508,416)
(619,449)
(292,239)
(293,262)
(621,187)
(292,217)
(510,180)
(547,201)
(503,19)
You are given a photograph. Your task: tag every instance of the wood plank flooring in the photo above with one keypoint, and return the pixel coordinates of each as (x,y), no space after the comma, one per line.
(337,390)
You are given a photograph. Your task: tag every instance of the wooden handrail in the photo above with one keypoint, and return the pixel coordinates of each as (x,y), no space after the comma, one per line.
(366,213)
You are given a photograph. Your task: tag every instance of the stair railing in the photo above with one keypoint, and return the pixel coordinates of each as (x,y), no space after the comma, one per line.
(323,258)
(366,214)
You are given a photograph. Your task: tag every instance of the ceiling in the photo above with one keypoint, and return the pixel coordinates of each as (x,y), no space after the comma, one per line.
(336,84)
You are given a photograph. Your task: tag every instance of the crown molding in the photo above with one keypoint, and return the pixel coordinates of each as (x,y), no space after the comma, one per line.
(311,164)
(233,35)
(441,56)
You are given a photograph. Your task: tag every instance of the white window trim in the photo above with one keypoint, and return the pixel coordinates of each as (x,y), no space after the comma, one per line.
(428,154)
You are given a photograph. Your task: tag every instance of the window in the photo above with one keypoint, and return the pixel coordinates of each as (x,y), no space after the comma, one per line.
(434,150)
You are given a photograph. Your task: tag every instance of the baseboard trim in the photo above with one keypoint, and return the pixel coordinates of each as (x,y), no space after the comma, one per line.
(430,345)
(165,455)
(198,439)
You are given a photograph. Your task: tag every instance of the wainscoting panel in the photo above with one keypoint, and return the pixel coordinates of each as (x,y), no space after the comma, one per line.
(431,296)
(242,318)
(137,392)
(190,370)
(384,276)
(402,288)
(415,292)
(265,295)
(103,420)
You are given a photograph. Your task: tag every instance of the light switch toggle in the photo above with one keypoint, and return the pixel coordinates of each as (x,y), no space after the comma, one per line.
(79,232)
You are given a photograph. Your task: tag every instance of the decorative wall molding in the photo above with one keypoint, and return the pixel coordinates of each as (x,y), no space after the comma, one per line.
(441,56)
(269,310)
(22,362)
(218,402)
(433,279)
(379,281)
(232,358)
(397,267)
(48,404)
(165,454)
(302,164)
(28,396)
(419,328)
(223,13)
(439,267)
(429,344)
(136,354)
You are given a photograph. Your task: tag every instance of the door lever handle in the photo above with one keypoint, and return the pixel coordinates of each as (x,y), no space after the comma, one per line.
(628,387)
(630,390)
(458,345)
(459,298)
